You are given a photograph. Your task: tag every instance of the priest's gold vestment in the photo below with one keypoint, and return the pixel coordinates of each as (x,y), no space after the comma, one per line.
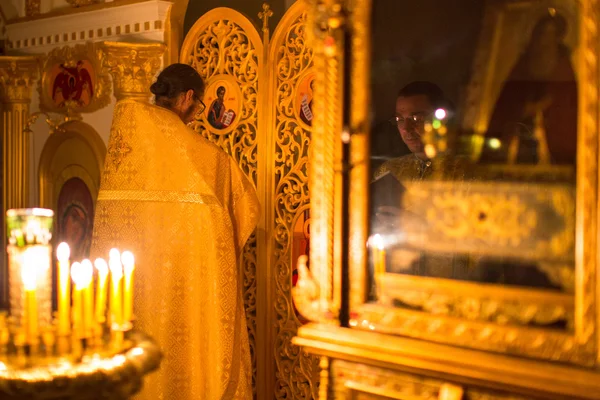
(185,209)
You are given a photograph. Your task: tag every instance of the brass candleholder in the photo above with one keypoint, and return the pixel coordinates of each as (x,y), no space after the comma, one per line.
(87,349)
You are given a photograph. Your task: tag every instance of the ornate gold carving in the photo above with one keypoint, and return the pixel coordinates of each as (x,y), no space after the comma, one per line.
(133,67)
(80,3)
(292,60)
(116,376)
(118,149)
(323,180)
(307,294)
(224,42)
(490,218)
(580,346)
(352,379)
(16,78)
(264,15)
(324,381)
(32,7)
(69,57)
(586,292)
(476,302)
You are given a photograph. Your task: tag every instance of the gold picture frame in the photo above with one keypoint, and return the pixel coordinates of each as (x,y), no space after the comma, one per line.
(575,346)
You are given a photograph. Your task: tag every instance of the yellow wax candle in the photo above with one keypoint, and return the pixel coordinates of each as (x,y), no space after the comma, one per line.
(64,289)
(30,312)
(102,268)
(77,274)
(128,267)
(88,297)
(378,255)
(116,292)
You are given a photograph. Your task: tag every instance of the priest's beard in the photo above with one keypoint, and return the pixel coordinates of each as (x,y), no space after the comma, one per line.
(187,114)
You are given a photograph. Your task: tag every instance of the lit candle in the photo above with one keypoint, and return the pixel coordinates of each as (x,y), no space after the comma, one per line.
(88,297)
(77,274)
(30,315)
(116,292)
(128,267)
(378,255)
(102,268)
(64,289)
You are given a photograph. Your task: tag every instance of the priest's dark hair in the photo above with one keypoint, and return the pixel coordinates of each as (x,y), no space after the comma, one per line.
(175,80)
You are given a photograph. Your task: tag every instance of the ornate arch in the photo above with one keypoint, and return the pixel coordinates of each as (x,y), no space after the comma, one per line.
(75,151)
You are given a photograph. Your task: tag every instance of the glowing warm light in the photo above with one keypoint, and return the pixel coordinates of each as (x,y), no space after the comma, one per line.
(88,296)
(137,351)
(127,259)
(378,242)
(29,275)
(495,143)
(63,252)
(430,151)
(87,272)
(77,274)
(440,113)
(101,266)
(114,254)
(128,267)
(116,290)
(436,124)
(116,269)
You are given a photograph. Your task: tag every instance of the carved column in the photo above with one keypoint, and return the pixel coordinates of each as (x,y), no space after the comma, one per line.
(133,67)
(16,79)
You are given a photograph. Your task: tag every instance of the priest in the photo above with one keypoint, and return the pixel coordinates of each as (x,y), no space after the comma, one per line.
(185,209)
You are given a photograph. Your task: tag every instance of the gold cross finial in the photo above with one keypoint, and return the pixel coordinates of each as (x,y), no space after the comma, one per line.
(264,15)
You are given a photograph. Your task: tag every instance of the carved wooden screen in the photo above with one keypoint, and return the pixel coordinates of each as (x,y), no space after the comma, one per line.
(263,120)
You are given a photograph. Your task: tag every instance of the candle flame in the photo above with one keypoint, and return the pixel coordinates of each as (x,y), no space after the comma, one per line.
(101,266)
(114,254)
(63,252)
(378,242)
(87,272)
(77,274)
(127,259)
(116,269)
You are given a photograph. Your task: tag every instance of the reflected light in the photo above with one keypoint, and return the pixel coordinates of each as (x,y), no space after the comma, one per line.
(378,242)
(137,351)
(430,151)
(440,113)
(495,143)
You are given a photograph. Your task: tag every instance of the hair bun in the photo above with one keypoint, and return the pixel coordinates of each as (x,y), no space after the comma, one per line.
(160,88)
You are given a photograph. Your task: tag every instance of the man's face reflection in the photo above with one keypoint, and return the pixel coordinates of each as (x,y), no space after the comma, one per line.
(411,112)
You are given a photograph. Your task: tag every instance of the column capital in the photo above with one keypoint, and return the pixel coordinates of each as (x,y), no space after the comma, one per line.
(133,67)
(17,75)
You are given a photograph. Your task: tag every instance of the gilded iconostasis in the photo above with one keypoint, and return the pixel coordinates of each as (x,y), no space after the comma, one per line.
(258,68)
(470,184)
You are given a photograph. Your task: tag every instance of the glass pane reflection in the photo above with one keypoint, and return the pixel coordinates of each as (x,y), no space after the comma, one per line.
(474,141)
